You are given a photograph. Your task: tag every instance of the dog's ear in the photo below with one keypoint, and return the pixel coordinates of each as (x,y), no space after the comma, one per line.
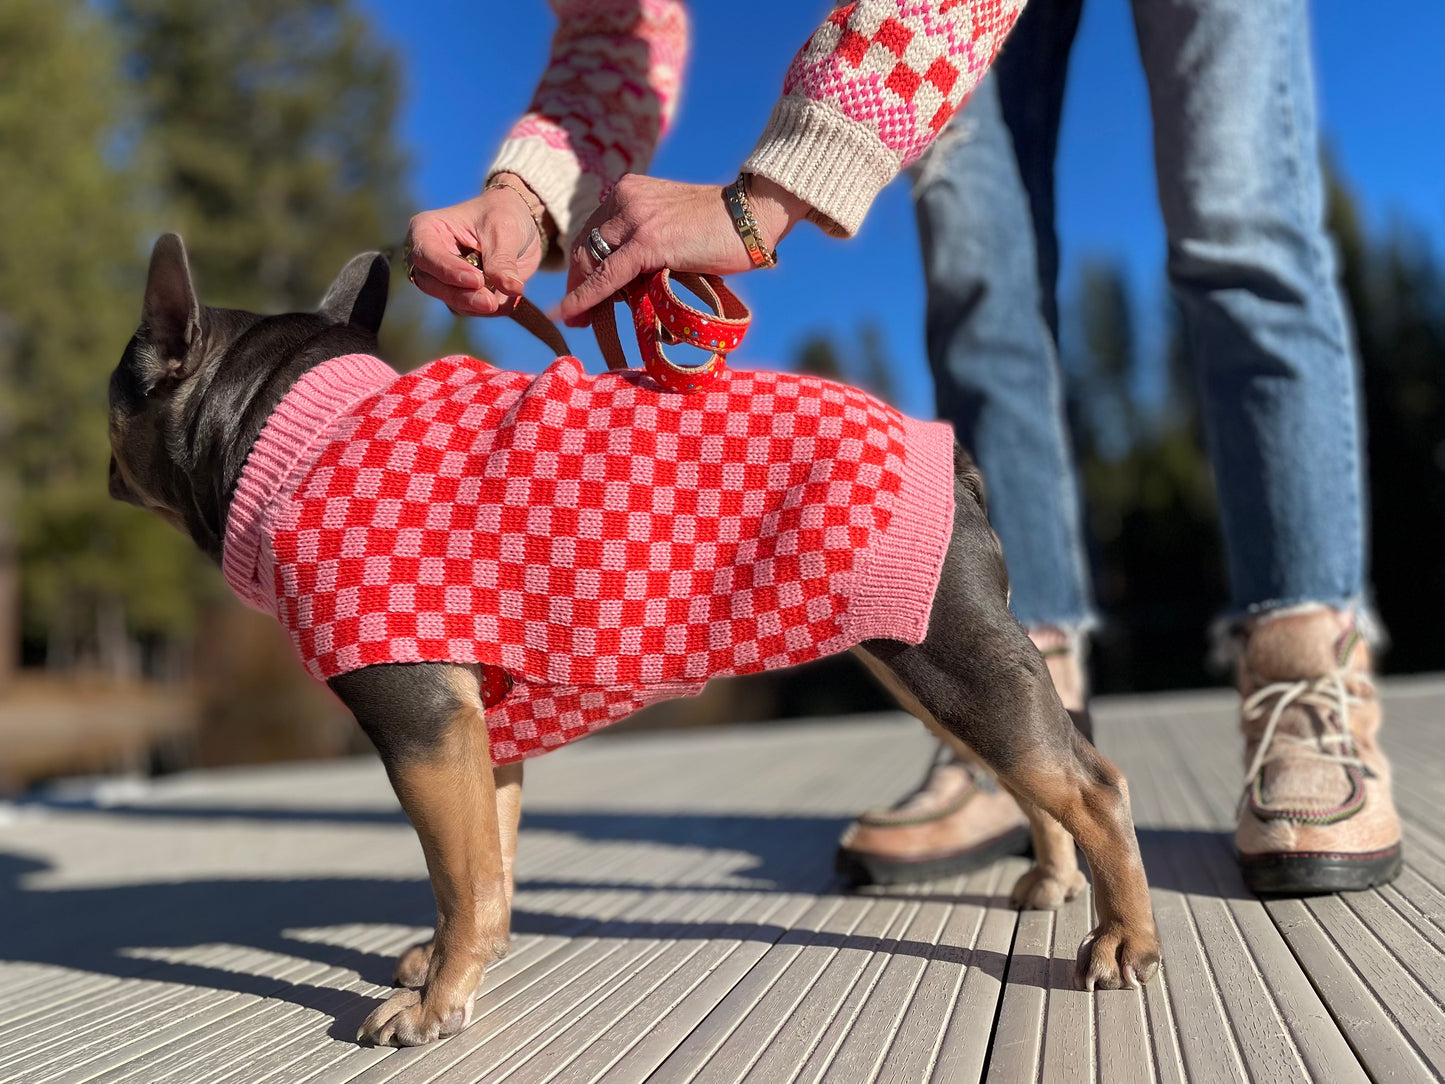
(358,296)
(171,313)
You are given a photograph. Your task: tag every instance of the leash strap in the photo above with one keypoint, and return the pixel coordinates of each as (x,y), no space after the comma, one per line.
(674,321)
(535,320)
(660,318)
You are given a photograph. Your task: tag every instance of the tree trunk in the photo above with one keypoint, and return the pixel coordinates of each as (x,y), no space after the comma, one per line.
(9,554)
(117,655)
(9,596)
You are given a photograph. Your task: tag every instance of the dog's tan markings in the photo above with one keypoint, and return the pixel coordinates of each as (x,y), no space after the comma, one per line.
(1082,798)
(1091,801)
(450,795)
(1055,877)
(413,964)
(507,778)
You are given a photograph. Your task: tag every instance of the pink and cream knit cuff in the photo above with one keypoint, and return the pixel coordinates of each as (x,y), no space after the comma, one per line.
(834,164)
(555,176)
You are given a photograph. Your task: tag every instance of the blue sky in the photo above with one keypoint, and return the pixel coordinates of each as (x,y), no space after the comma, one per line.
(471,66)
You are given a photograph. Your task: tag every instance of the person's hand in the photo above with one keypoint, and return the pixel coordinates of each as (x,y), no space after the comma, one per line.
(499,227)
(651,224)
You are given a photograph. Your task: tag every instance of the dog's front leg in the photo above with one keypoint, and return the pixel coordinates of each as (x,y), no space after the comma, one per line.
(427,723)
(413,964)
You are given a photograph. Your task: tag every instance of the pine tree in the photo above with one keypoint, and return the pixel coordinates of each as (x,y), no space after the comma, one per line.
(88,567)
(1396,292)
(268,140)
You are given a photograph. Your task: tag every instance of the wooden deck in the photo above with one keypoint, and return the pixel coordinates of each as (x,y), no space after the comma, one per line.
(677,920)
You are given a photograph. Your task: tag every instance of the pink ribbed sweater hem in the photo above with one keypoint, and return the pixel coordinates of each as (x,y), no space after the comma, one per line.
(302,419)
(900,573)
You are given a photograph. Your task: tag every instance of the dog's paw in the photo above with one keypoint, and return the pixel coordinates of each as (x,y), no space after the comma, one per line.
(412,966)
(1114,956)
(1044,890)
(404,1020)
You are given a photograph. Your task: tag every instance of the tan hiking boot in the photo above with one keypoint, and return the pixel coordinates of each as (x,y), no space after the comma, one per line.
(958,819)
(1316,814)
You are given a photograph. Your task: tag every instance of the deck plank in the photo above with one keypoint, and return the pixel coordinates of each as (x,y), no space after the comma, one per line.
(975,932)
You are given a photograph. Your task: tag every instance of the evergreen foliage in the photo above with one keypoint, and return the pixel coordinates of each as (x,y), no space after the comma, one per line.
(1396,292)
(92,570)
(267,140)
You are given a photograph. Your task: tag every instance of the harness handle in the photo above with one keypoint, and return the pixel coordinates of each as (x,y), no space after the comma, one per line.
(659,317)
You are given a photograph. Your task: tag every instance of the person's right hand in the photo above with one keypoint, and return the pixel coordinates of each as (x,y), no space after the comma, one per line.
(498,226)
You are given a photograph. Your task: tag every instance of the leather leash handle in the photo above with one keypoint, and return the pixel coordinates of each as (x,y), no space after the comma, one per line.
(528,315)
(604,326)
(659,317)
(535,320)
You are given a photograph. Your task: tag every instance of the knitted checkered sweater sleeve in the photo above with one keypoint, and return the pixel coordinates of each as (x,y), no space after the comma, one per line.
(868,93)
(605,100)
(863,98)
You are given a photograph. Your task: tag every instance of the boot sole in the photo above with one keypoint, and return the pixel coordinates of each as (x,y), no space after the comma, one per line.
(863,868)
(1318,873)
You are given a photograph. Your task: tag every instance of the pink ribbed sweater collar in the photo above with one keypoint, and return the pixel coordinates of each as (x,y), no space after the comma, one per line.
(288,444)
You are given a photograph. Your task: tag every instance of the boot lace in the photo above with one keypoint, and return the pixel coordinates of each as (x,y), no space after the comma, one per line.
(1333,700)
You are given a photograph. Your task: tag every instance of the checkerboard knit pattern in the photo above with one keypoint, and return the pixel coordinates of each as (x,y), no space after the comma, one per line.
(864,97)
(870,91)
(601,542)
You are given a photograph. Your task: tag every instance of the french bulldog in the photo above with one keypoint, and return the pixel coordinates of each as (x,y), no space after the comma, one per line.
(189,401)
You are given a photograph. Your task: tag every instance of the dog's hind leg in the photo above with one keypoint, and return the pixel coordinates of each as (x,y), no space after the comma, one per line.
(427,723)
(1054,878)
(1008,713)
(508,781)
(979,676)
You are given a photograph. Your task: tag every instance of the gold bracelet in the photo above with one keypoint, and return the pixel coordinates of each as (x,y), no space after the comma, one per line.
(536,215)
(746,223)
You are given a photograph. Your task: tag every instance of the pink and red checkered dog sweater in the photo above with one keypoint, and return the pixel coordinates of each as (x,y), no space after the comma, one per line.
(592,543)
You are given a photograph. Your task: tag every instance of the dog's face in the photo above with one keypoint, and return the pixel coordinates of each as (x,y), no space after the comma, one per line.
(177,398)
(150,384)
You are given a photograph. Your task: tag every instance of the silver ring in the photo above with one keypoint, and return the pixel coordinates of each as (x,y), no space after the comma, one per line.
(600,248)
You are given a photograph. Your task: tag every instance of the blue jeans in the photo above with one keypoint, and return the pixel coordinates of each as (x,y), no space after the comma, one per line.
(1237,166)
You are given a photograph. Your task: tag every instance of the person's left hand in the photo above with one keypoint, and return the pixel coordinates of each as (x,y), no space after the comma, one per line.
(652,223)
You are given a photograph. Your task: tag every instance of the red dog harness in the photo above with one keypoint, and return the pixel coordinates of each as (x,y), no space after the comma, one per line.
(659,317)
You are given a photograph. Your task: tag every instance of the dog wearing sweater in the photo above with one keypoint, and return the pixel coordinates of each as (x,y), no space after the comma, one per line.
(484,565)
